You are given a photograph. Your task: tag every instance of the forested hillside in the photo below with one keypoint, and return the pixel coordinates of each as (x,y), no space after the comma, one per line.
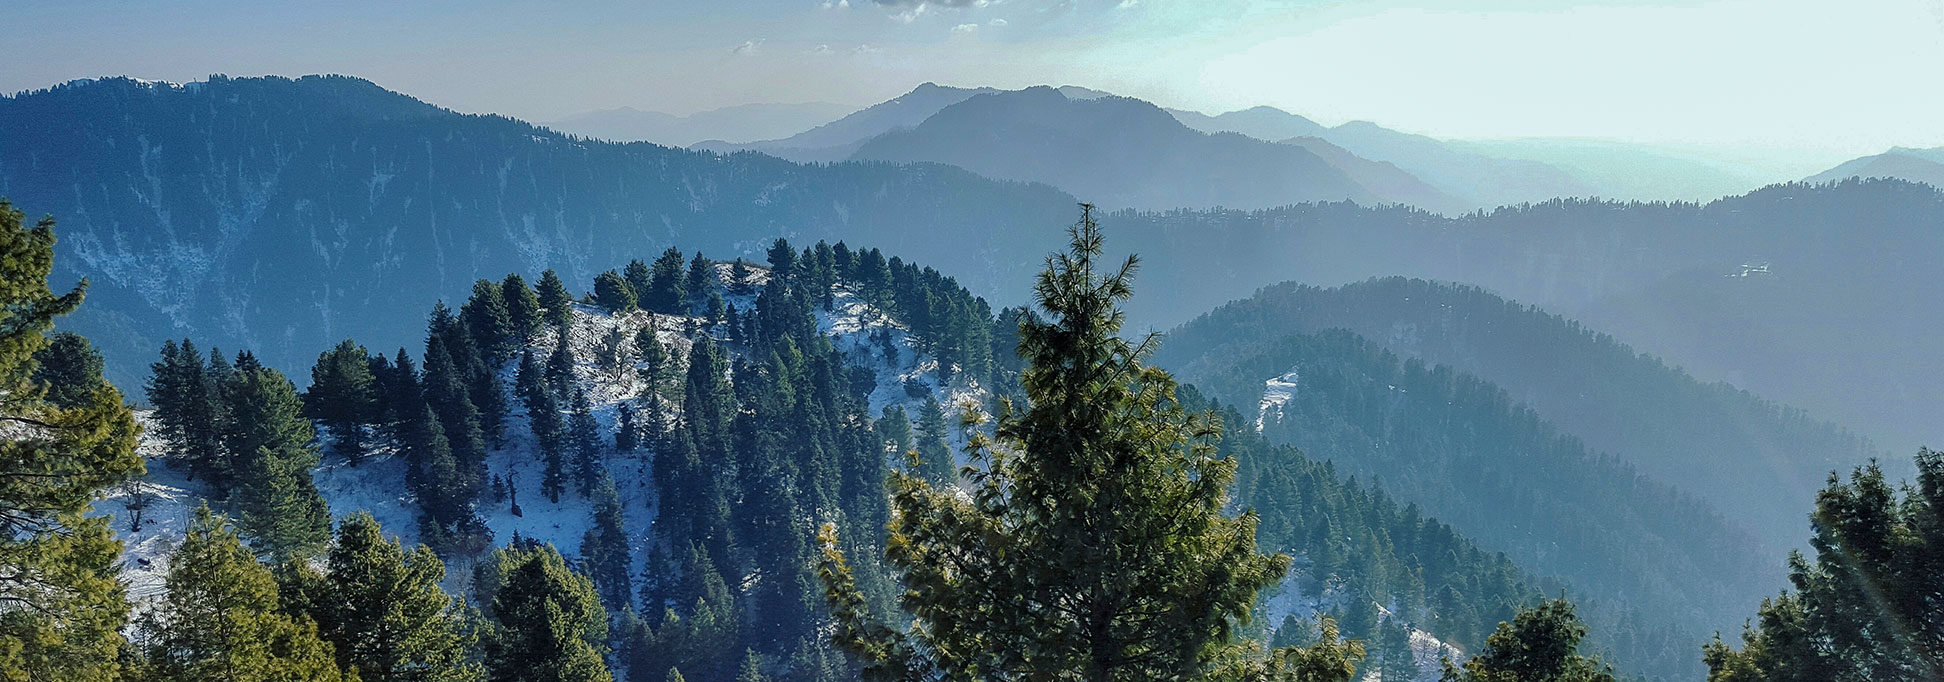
(1756,461)
(1464,451)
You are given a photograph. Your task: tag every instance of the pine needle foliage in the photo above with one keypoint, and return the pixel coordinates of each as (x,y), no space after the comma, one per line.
(1093,544)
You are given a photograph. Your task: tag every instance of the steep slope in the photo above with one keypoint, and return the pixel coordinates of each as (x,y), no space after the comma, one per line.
(1916,165)
(1262,123)
(837,140)
(1115,151)
(741,123)
(1461,449)
(1756,461)
(269,213)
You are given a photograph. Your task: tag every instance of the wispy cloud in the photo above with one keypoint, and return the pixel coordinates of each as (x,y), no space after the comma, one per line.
(966,28)
(749,47)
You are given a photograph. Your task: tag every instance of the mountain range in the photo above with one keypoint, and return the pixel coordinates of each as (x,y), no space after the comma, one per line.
(182,204)
(743,122)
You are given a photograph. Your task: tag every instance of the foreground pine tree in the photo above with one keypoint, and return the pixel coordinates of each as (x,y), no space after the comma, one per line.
(1541,644)
(221,618)
(381,607)
(1093,545)
(61,604)
(1868,605)
(551,626)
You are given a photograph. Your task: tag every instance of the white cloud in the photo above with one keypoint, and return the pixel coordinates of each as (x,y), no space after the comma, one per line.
(749,47)
(965,28)
(997,22)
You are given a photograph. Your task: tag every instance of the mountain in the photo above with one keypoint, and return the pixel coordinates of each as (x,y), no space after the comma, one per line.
(182,205)
(1759,463)
(1631,172)
(744,122)
(1916,165)
(1120,152)
(1479,180)
(836,140)
(269,213)
(1405,582)
(1262,123)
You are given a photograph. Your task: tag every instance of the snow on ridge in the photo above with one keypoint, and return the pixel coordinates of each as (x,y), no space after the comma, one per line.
(377,483)
(1276,392)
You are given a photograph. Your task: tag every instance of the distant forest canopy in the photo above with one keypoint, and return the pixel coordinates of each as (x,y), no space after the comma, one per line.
(183,205)
(1759,462)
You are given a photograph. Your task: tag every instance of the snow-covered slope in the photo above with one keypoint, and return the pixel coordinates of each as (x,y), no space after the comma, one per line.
(378,484)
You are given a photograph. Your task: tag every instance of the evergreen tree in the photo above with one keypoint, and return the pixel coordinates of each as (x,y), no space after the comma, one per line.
(187,409)
(626,431)
(752,667)
(279,506)
(404,398)
(894,431)
(783,263)
(935,463)
(343,396)
(584,441)
(549,432)
(447,394)
(69,369)
(1540,645)
(701,282)
(640,279)
(613,293)
(523,311)
(383,611)
(557,306)
(62,604)
(1094,545)
(1865,606)
(560,364)
(550,623)
(490,322)
(220,618)
(604,549)
(445,490)
(667,293)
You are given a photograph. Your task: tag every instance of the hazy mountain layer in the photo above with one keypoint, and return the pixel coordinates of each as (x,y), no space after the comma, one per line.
(1121,152)
(741,123)
(1759,463)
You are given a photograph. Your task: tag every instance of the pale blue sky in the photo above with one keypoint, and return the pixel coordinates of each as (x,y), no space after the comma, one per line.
(1828,77)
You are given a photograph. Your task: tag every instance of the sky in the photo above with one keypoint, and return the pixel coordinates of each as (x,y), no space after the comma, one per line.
(1827,78)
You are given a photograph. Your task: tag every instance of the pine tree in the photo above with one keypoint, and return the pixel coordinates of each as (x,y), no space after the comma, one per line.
(560,364)
(935,463)
(584,442)
(783,263)
(894,431)
(523,309)
(626,431)
(667,293)
(1539,645)
(549,432)
(1094,545)
(188,410)
(404,397)
(489,322)
(279,506)
(701,282)
(640,279)
(613,293)
(556,304)
(551,626)
(220,618)
(444,489)
(447,394)
(752,668)
(62,604)
(382,609)
(604,549)
(343,396)
(1864,606)
(69,369)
